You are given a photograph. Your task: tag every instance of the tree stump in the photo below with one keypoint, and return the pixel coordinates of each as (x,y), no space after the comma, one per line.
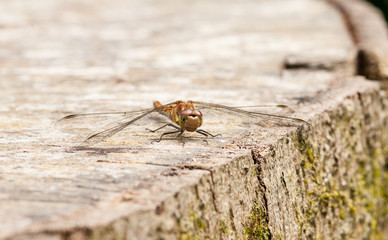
(258,181)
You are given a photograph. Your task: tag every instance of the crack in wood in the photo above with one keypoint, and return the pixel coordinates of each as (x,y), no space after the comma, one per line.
(258,159)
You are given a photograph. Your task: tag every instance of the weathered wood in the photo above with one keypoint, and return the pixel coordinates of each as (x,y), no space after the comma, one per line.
(369,32)
(61,57)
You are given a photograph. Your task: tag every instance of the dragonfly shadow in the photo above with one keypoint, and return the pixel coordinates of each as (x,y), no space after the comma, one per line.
(103,151)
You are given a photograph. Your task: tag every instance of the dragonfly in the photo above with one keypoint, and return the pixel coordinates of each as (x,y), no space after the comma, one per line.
(183,116)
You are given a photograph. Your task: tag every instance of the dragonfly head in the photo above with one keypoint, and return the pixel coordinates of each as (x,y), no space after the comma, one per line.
(190,120)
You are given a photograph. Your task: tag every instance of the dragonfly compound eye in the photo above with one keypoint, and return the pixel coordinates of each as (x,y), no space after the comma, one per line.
(186,113)
(190,120)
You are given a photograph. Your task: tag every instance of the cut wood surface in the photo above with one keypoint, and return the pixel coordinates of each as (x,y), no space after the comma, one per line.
(259,180)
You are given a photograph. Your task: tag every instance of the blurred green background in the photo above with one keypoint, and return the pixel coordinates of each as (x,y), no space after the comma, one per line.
(383,5)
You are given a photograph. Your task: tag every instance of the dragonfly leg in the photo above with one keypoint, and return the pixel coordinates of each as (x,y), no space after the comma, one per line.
(165,125)
(203,132)
(171,132)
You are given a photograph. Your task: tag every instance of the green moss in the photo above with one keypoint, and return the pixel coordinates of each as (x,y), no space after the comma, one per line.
(307,150)
(342,214)
(198,222)
(189,236)
(192,236)
(198,229)
(257,225)
(362,201)
(223,228)
(310,154)
(373,195)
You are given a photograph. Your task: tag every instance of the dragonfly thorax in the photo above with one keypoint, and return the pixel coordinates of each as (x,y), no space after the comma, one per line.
(190,120)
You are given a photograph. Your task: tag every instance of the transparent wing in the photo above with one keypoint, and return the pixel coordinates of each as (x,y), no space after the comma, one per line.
(263,112)
(112,122)
(100,136)
(76,123)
